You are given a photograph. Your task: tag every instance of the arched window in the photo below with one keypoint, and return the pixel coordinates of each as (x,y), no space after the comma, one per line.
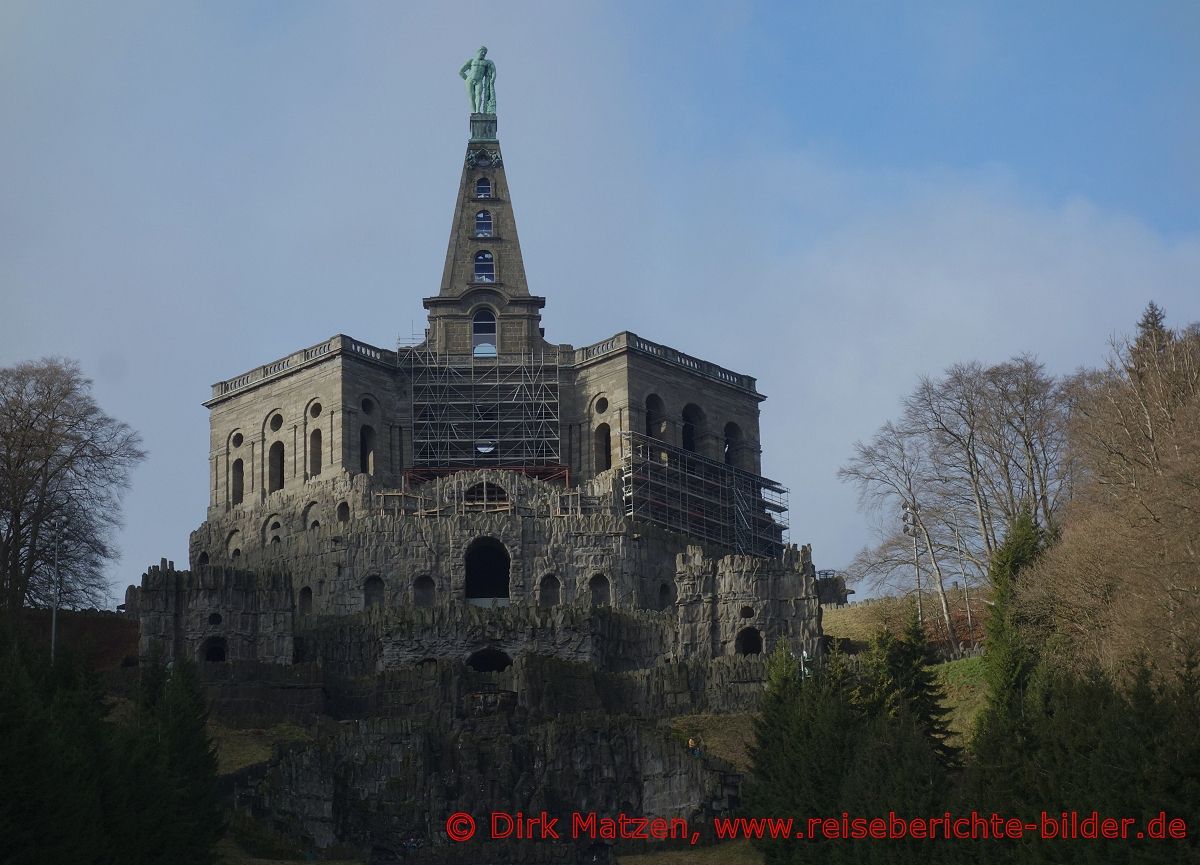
(305,601)
(748,642)
(366,449)
(343,513)
(489,661)
(693,427)
(483,188)
(483,334)
(483,223)
(598,586)
(656,417)
(602,448)
(550,592)
(212,650)
(238,483)
(485,496)
(485,267)
(372,593)
(487,565)
(202,559)
(733,442)
(275,467)
(423,592)
(314,453)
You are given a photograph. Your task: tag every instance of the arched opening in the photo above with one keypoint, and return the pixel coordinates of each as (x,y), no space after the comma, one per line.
(598,587)
(314,453)
(238,484)
(272,529)
(486,496)
(489,661)
(549,592)
(656,417)
(275,468)
(233,541)
(202,559)
(343,513)
(748,642)
(366,449)
(733,444)
(693,427)
(212,650)
(483,224)
(602,448)
(483,334)
(423,591)
(485,266)
(487,564)
(665,596)
(483,188)
(747,612)
(372,592)
(305,601)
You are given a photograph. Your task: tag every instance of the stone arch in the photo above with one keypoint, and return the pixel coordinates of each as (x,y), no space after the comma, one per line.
(214,650)
(343,512)
(314,453)
(692,428)
(233,541)
(306,601)
(602,448)
(549,592)
(656,417)
(599,590)
(489,660)
(749,641)
(372,592)
(424,591)
(275,464)
(272,529)
(310,517)
(486,496)
(733,444)
(237,482)
(487,568)
(366,449)
(272,422)
(202,559)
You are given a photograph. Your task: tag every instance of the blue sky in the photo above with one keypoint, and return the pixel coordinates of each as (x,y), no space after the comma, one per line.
(836,198)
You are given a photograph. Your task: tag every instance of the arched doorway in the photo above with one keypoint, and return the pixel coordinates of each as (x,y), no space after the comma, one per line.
(748,642)
(598,586)
(489,661)
(487,563)
(213,650)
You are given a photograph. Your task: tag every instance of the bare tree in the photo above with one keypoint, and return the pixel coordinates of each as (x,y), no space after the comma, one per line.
(63,462)
(895,469)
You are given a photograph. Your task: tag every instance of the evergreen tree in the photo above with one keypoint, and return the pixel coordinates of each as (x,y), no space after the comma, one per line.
(1152,332)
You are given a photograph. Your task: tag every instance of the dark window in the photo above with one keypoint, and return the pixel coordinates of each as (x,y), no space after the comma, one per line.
(485,267)
(598,586)
(733,442)
(305,601)
(372,593)
(747,612)
(424,592)
(655,417)
(489,661)
(483,188)
(343,513)
(275,463)
(550,593)
(276,422)
(483,224)
(366,449)
(748,642)
(664,596)
(314,453)
(486,497)
(239,482)
(213,650)
(483,334)
(602,448)
(487,564)
(693,427)
(214,619)
(202,559)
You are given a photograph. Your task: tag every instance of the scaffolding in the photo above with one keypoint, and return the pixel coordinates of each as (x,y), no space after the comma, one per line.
(710,500)
(479,412)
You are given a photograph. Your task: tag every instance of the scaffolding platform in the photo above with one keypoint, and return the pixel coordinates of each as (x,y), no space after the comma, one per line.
(710,500)
(478,412)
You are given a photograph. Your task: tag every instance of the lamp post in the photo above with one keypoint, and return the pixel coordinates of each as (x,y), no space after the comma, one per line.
(57,525)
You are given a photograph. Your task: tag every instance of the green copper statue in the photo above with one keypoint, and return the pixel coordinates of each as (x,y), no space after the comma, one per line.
(480,75)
